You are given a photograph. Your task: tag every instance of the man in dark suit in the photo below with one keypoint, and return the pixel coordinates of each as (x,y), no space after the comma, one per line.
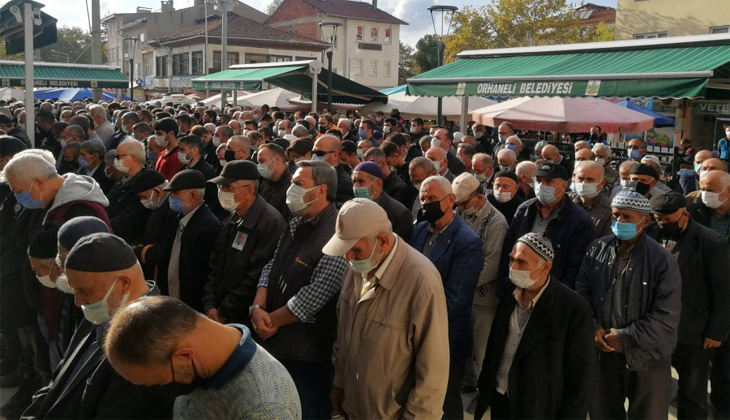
(540,361)
(245,244)
(367,179)
(191,155)
(85,385)
(91,161)
(194,239)
(457,253)
(703,322)
(128,216)
(445,139)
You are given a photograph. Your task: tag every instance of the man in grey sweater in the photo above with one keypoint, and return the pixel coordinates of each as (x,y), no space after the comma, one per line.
(234,378)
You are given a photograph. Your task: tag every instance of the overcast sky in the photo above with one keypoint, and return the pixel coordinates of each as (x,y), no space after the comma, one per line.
(73,12)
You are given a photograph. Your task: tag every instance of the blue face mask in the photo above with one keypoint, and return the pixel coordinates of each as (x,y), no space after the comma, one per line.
(362,133)
(512,147)
(686,172)
(503,139)
(25,200)
(624,231)
(698,166)
(176,205)
(635,154)
(83,163)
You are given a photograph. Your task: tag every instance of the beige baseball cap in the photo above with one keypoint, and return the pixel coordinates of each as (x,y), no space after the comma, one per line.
(358,218)
(464,186)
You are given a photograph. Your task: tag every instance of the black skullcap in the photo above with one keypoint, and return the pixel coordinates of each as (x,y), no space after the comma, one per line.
(283,143)
(10,145)
(100,253)
(146,180)
(667,203)
(551,170)
(643,169)
(507,174)
(189,179)
(43,245)
(5,120)
(77,228)
(235,171)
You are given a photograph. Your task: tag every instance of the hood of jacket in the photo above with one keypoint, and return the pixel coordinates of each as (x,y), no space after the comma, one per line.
(79,188)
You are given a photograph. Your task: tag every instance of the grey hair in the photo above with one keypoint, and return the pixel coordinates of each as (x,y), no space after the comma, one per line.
(245,142)
(425,140)
(484,158)
(438,179)
(45,154)
(589,164)
(628,165)
(226,130)
(94,147)
(516,138)
(300,131)
(25,167)
(583,143)
(97,110)
(522,167)
(136,149)
(600,147)
(322,173)
(346,121)
(509,152)
(423,163)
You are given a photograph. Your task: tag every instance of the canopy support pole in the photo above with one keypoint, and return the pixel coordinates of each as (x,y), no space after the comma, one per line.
(464,113)
(235,97)
(29,75)
(315,67)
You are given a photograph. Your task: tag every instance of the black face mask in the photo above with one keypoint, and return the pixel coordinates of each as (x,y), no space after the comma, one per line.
(229,156)
(322,129)
(642,188)
(670,231)
(594,136)
(174,389)
(432,212)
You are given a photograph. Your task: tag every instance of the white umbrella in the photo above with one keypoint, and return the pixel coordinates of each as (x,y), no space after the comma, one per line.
(8,93)
(277,97)
(425,106)
(216,99)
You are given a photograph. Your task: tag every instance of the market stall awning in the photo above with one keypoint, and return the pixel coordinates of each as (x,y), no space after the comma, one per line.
(61,75)
(295,76)
(678,67)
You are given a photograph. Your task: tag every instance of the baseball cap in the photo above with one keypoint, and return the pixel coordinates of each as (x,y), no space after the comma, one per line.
(357,219)
(236,171)
(464,187)
(551,170)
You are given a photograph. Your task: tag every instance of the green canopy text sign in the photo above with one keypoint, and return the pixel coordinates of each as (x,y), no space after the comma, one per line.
(67,83)
(711,108)
(561,88)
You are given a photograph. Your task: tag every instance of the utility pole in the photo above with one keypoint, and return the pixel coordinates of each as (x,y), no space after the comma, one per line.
(205,52)
(225,6)
(96,40)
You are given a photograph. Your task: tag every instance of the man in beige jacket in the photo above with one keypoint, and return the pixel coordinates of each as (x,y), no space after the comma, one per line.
(391,356)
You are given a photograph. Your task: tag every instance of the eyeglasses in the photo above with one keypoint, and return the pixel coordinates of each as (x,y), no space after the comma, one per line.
(228,188)
(118,156)
(322,152)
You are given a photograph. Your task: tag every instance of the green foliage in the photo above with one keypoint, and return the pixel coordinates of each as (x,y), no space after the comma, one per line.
(405,63)
(73,41)
(271,7)
(426,56)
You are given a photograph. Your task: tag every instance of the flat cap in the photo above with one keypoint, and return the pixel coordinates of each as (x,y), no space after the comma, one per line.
(551,170)
(77,228)
(188,179)
(644,169)
(100,253)
(5,120)
(540,243)
(43,245)
(235,171)
(10,145)
(146,180)
(371,168)
(631,200)
(508,174)
(667,203)
(465,186)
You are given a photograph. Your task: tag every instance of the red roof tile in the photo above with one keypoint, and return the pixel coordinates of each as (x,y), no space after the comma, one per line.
(353,10)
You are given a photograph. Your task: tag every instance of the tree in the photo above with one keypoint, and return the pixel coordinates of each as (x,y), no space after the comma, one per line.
(271,7)
(73,45)
(519,23)
(405,63)
(426,56)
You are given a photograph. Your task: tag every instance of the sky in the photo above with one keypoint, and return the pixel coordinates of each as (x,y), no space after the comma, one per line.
(73,12)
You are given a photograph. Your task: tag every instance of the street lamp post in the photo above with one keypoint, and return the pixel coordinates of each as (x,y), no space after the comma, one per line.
(329,29)
(446,14)
(130,51)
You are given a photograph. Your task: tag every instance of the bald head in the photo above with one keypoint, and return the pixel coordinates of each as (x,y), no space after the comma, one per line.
(551,153)
(331,146)
(584,155)
(437,155)
(713,164)
(702,156)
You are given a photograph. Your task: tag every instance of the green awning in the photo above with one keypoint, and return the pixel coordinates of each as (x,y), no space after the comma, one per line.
(296,78)
(673,72)
(58,75)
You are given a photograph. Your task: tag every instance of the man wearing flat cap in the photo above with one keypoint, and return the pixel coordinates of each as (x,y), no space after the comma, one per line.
(367,180)
(703,322)
(245,244)
(568,226)
(383,269)
(644,178)
(633,286)
(539,362)
(85,385)
(505,195)
(195,237)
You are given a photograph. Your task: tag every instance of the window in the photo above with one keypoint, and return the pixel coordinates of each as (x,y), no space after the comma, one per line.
(198,62)
(373,68)
(303,58)
(720,30)
(161,66)
(232,59)
(256,58)
(356,65)
(113,54)
(386,68)
(136,70)
(180,64)
(149,66)
(279,58)
(360,31)
(374,35)
(141,37)
(651,35)
(388,36)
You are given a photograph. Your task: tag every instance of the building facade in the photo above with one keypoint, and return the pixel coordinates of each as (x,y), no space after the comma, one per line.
(647,19)
(366,43)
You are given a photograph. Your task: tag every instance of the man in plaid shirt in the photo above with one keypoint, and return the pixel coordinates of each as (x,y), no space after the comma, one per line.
(294,310)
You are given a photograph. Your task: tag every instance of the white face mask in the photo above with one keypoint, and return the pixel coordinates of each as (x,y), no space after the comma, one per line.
(481,177)
(62,284)
(712,199)
(281,133)
(228,200)
(183,158)
(585,189)
(161,141)
(601,162)
(125,130)
(119,166)
(625,183)
(502,197)
(149,203)
(216,141)
(386,130)
(46,281)
(523,278)
(223,162)
(295,199)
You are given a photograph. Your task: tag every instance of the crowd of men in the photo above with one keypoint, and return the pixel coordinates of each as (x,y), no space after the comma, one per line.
(188,262)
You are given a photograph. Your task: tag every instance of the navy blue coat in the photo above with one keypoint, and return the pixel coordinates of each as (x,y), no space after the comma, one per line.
(570,232)
(459,258)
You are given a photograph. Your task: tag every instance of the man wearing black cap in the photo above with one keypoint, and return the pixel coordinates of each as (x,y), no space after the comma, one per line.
(84,385)
(568,226)
(703,322)
(8,126)
(194,239)
(644,178)
(504,195)
(246,243)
